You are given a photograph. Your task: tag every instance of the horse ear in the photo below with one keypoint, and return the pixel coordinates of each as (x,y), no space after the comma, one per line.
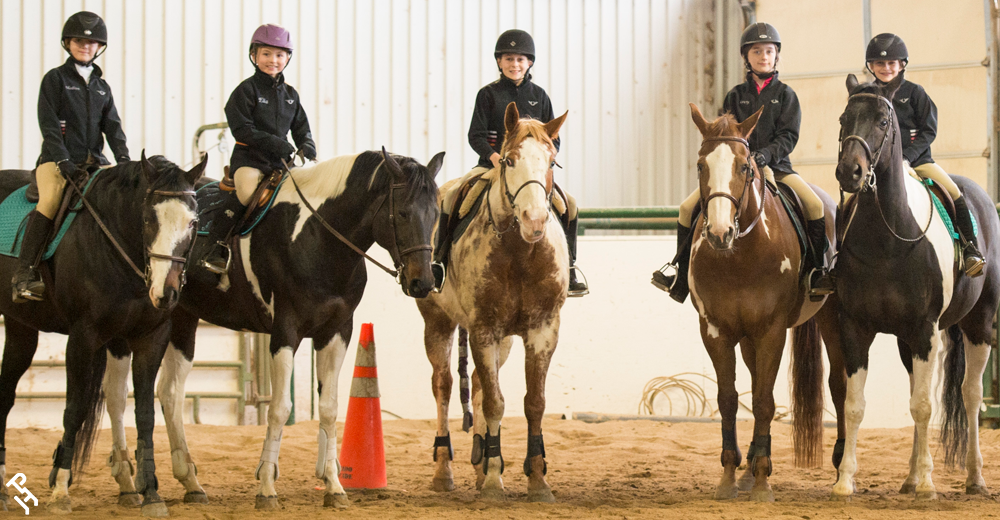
(148,171)
(552,127)
(889,89)
(195,173)
(511,117)
(699,120)
(852,83)
(391,163)
(434,166)
(749,123)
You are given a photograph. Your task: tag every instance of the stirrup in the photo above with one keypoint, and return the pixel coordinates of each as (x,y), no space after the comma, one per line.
(31,289)
(973,265)
(571,293)
(663,281)
(212,268)
(438,267)
(817,294)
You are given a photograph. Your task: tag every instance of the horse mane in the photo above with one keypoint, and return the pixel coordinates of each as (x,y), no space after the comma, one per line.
(364,171)
(128,176)
(526,127)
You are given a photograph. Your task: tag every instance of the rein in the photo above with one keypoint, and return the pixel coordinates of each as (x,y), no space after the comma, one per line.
(870,182)
(397,255)
(750,170)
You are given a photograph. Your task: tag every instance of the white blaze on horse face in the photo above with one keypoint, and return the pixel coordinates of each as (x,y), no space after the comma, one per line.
(318,182)
(531,203)
(720,177)
(174,219)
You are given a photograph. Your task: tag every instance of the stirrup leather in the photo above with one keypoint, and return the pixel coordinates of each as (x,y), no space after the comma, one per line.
(228,256)
(583,292)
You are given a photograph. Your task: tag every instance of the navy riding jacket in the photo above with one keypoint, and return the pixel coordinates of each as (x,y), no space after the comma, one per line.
(487,130)
(777,130)
(917,116)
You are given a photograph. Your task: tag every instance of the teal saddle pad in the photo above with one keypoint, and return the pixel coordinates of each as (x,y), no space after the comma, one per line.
(14,216)
(211,200)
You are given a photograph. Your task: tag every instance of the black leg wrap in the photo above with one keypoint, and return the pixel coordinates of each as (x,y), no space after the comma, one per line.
(536,446)
(838,453)
(760,447)
(145,468)
(478,449)
(729,444)
(443,442)
(62,458)
(491,449)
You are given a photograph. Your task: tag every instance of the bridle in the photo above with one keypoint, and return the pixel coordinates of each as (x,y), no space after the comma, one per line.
(506,162)
(869,181)
(147,254)
(395,253)
(749,173)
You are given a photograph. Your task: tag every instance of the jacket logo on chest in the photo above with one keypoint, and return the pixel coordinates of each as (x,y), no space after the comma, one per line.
(290,101)
(262,100)
(744,102)
(101,92)
(532,103)
(71,87)
(775,101)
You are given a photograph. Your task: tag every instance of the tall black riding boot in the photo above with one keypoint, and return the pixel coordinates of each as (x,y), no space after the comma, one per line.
(820,282)
(27,283)
(677,283)
(442,246)
(974,261)
(577,288)
(219,232)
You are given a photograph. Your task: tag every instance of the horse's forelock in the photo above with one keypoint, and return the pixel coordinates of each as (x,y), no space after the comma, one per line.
(419,181)
(525,128)
(725,125)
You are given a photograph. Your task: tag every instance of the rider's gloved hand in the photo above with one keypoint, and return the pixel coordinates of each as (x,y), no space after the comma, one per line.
(67,168)
(759,159)
(308,151)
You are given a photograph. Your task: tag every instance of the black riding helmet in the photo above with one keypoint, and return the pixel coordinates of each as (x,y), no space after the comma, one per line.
(886,46)
(515,41)
(759,32)
(86,25)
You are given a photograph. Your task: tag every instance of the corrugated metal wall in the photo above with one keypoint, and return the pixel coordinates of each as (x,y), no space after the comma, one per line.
(399,73)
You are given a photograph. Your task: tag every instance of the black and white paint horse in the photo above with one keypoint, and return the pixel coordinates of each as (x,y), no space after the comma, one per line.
(97,298)
(305,283)
(897,274)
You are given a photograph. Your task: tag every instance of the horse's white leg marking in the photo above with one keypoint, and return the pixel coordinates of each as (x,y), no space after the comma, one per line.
(61,489)
(252,277)
(920,409)
(174,219)
(976,357)
(854,412)
(329,361)
(174,371)
(786,265)
(115,394)
(277,414)
(911,479)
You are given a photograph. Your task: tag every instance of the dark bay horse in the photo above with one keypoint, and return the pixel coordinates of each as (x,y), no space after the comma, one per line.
(97,299)
(302,282)
(746,285)
(897,274)
(509,277)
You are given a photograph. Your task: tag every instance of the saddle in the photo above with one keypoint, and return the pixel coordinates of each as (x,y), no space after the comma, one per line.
(212,195)
(794,209)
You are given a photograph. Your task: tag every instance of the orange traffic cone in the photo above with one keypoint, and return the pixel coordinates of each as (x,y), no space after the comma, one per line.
(362,453)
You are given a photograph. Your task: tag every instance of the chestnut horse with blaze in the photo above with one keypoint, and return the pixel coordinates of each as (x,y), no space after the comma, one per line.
(746,285)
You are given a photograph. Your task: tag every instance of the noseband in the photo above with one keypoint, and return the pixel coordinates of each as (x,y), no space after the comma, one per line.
(546,187)
(749,171)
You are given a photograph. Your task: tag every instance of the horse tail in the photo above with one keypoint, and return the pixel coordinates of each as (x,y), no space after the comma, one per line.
(807,394)
(93,402)
(954,424)
(464,388)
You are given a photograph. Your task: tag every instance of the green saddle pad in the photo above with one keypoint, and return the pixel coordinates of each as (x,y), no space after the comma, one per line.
(14,216)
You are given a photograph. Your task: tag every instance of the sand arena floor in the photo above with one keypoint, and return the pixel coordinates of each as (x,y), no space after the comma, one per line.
(610,470)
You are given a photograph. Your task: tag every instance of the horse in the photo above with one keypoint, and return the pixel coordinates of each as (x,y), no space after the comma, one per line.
(896,274)
(304,276)
(746,286)
(143,211)
(509,276)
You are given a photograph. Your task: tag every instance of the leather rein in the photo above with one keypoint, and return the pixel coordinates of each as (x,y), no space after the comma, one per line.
(750,173)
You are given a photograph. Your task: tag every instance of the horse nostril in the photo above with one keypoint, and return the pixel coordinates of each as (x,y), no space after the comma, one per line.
(538,233)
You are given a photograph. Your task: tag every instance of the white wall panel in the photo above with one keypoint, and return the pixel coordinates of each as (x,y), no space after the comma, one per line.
(398,73)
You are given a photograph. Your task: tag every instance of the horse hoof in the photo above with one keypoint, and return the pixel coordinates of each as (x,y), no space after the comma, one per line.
(155,510)
(726,492)
(195,497)
(835,497)
(541,495)
(443,484)
(60,506)
(129,499)
(745,483)
(762,495)
(927,495)
(907,488)
(264,503)
(493,494)
(977,489)
(336,500)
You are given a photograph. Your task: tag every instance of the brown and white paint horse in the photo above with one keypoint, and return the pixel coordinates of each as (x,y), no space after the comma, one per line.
(745,284)
(508,276)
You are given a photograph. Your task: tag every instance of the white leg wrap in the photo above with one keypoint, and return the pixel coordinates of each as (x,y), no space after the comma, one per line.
(118,461)
(182,463)
(327,452)
(269,454)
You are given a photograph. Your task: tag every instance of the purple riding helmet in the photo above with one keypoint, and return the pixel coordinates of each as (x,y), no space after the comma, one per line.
(272,36)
